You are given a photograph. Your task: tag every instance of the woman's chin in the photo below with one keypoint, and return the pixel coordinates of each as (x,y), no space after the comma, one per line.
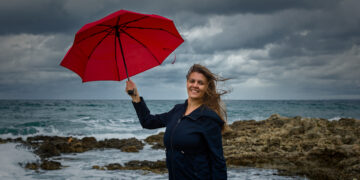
(194,97)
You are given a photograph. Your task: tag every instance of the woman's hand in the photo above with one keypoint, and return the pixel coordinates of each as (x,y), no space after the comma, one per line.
(131,86)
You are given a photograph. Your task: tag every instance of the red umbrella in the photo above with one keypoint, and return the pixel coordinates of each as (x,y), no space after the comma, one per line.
(121,45)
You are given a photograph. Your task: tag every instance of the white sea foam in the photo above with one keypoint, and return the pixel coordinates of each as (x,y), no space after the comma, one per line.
(11,155)
(79,166)
(45,131)
(99,131)
(249,173)
(335,118)
(241,118)
(258,118)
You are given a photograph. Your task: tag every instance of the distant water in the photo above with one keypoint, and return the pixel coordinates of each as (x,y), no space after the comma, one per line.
(117,119)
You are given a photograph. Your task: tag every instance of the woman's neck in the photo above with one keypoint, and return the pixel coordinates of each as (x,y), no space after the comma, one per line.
(194,103)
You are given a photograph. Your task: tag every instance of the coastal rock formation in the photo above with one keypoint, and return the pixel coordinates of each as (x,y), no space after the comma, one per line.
(158,167)
(317,148)
(48,146)
(45,165)
(9,140)
(314,147)
(156,141)
(50,165)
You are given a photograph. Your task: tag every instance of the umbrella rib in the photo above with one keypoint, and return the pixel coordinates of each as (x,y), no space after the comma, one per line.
(117,36)
(91,35)
(160,29)
(125,23)
(141,44)
(92,51)
(110,27)
(117,67)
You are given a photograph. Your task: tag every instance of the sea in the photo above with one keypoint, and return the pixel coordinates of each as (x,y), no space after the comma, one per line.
(105,119)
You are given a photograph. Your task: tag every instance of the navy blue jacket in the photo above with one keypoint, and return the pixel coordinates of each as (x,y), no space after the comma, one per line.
(193,142)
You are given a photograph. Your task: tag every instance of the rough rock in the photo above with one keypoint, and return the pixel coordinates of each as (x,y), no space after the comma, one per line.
(45,165)
(50,165)
(156,141)
(315,147)
(152,166)
(48,146)
(125,145)
(32,166)
(47,150)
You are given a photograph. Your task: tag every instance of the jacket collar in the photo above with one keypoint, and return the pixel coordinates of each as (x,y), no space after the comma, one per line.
(202,111)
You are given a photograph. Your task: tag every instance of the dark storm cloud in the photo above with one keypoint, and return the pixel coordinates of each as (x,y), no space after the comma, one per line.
(43,16)
(37,16)
(299,31)
(270,49)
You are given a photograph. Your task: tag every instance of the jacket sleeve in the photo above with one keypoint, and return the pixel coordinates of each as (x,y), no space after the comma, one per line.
(148,120)
(213,137)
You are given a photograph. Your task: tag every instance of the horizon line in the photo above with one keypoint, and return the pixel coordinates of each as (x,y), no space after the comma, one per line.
(285,99)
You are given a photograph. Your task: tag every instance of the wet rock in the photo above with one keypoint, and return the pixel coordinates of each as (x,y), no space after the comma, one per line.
(50,165)
(152,166)
(89,142)
(126,145)
(32,166)
(98,167)
(37,141)
(156,141)
(47,150)
(114,166)
(129,149)
(48,146)
(9,140)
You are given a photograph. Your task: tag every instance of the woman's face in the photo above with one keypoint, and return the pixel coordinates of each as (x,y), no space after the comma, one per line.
(196,85)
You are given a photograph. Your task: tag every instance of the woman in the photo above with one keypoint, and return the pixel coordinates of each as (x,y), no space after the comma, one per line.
(193,129)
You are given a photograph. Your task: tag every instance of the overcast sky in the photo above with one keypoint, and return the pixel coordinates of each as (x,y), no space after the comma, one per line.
(272,49)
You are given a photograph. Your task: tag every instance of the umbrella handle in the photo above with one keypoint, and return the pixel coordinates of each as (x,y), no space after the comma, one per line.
(131,92)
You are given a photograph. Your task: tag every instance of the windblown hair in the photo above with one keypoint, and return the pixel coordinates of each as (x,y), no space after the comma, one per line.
(212,96)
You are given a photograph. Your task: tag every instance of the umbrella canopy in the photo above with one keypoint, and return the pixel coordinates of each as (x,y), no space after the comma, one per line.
(121,45)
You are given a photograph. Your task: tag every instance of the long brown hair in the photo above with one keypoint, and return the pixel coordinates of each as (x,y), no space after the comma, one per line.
(212,96)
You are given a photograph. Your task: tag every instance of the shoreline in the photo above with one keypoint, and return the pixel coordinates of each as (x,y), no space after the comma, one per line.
(312,147)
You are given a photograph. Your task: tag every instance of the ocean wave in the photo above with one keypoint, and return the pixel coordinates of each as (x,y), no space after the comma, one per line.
(100,132)
(242,118)
(11,155)
(31,131)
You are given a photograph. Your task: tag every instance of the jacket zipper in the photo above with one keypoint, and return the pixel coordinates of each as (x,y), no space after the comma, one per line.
(172,149)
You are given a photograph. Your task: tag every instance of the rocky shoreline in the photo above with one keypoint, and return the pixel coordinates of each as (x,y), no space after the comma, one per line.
(317,148)
(312,147)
